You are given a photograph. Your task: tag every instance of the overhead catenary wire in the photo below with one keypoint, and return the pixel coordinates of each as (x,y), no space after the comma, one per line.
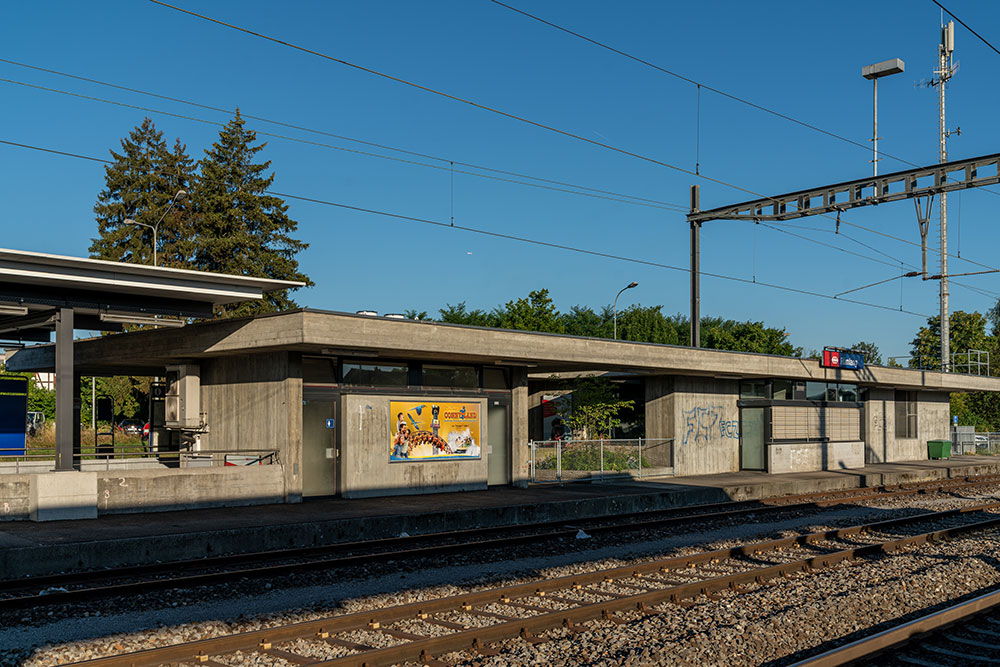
(450,168)
(333,135)
(660,205)
(694,82)
(500,112)
(522,239)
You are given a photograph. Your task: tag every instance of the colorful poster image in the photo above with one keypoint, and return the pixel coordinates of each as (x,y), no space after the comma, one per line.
(434,431)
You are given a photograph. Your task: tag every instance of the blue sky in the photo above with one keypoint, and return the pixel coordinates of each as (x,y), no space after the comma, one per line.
(802,59)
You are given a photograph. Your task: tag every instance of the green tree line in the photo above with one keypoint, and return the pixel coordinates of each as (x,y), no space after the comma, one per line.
(646,324)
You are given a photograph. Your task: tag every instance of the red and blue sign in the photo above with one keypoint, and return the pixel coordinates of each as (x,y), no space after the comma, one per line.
(833,358)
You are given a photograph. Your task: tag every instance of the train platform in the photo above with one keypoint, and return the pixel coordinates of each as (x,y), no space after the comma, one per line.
(118,540)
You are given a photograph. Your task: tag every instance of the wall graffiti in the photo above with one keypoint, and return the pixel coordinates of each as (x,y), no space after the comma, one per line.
(701,424)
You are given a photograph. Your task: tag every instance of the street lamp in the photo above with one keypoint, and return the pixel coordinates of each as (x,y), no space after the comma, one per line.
(629,286)
(173,200)
(876,72)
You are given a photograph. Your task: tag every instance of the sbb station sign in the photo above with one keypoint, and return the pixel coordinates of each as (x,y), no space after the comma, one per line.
(841,359)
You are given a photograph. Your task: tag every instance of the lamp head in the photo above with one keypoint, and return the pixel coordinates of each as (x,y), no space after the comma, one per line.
(181,194)
(632,284)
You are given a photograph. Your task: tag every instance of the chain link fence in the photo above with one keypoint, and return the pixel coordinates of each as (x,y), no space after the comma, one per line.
(595,460)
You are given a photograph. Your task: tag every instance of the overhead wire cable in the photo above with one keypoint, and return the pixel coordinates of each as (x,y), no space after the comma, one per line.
(660,205)
(500,112)
(456,98)
(333,135)
(694,82)
(522,239)
(320,144)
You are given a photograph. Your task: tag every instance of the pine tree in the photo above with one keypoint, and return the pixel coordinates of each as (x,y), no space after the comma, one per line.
(239,228)
(139,186)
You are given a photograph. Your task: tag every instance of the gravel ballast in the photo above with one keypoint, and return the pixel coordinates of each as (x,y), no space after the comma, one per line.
(764,624)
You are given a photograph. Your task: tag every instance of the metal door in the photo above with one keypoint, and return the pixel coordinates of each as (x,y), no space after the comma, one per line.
(319,447)
(752,439)
(497,444)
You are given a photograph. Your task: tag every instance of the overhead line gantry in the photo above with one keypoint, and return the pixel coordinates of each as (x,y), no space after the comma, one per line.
(920,184)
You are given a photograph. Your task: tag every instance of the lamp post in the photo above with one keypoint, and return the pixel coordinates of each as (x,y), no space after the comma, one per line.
(173,200)
(876,72)
(629,286)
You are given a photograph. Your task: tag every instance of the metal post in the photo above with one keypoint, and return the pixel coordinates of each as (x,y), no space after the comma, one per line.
(875,131)
(559,461)
(602,459)
(695,271)
(64,391)
(944,73)
(640,458)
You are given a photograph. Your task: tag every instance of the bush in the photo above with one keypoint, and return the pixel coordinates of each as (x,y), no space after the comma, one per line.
(587,457)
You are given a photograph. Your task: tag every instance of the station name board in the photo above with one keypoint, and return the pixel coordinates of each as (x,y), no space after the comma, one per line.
(840,359)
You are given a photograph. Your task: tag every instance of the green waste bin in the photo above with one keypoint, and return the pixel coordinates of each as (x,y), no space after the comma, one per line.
(939,449)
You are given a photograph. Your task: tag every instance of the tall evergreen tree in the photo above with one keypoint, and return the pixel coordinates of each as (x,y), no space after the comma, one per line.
(139,185)
(239,228)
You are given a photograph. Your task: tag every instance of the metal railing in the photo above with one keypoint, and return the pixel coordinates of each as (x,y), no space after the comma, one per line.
(561,461)
(988,443)
(133,457)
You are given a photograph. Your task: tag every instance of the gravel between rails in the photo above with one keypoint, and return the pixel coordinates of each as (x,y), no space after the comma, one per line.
(737,630)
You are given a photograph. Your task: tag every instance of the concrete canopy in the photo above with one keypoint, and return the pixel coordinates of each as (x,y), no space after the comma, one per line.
(41,282)
(358,336)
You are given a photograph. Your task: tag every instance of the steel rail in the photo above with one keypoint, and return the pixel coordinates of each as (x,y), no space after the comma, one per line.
(391,551)
(641,576)
(911,632)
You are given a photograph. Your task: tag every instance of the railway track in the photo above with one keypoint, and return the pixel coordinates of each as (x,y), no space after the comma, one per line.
(82,587)
(962,634)
(424,632)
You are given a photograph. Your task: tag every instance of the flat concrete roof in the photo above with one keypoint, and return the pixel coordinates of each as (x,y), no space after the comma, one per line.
(22,267)
(359,336)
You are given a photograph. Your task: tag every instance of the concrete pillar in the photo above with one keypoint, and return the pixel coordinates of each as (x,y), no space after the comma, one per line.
(292,456)
(67,405)
(520,454)
(659,407)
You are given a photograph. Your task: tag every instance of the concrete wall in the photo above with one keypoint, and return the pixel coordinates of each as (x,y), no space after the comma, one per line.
(254,401)
(706,424)
(364,448)
(166,489)
(807,456)
(881,443)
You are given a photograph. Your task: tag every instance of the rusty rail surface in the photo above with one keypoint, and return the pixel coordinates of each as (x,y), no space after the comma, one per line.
(911,634)
(45,590)
(635,587)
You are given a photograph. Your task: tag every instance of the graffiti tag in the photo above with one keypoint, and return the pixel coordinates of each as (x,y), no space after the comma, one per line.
(702,424)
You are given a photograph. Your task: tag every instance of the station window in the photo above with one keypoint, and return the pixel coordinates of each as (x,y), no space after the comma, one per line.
(753,389)
(782,390)
(816,391)
(495,378)
(375,374)
(906,414)
(848,392)
(450,376)
(319,369)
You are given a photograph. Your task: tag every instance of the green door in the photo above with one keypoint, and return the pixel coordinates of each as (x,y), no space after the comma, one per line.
(752,439)
(319,447)
(497,444)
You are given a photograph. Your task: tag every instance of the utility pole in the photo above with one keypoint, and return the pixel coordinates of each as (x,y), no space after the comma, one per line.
(944,73)
(695,270)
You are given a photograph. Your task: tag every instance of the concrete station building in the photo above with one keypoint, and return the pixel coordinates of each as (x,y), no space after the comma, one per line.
(327,391)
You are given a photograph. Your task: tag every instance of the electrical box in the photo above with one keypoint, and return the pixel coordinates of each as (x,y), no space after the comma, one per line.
(183,397)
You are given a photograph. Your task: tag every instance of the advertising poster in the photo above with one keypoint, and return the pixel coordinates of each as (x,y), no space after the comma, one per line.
(434,431)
